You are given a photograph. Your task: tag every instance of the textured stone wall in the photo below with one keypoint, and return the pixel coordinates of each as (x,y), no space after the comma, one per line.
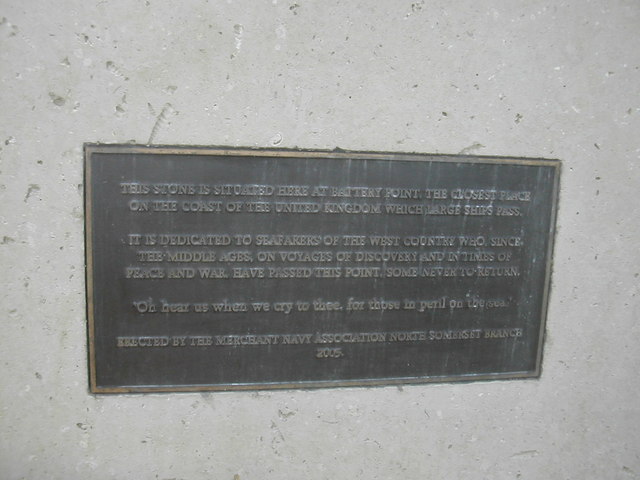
(516,78)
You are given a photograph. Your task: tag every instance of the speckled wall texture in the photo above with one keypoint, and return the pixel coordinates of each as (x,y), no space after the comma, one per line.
(515,78)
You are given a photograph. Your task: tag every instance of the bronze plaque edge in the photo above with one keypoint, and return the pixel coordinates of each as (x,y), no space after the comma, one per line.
(549,266)
(91,148)
(89,270)
(384,382)
(337,153)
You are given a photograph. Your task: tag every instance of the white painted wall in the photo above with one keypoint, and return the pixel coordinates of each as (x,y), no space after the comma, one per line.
(517,78)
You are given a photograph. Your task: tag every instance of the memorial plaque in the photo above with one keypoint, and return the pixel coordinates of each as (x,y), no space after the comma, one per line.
(218,269)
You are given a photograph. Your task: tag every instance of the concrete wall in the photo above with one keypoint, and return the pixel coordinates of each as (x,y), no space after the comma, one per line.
(518,78)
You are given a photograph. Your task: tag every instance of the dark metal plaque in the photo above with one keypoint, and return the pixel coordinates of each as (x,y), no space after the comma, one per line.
(216,269)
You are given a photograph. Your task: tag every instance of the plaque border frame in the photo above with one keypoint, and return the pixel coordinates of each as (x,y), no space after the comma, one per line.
(118,148)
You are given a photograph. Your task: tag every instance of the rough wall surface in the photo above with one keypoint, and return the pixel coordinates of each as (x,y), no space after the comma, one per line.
(517,78)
